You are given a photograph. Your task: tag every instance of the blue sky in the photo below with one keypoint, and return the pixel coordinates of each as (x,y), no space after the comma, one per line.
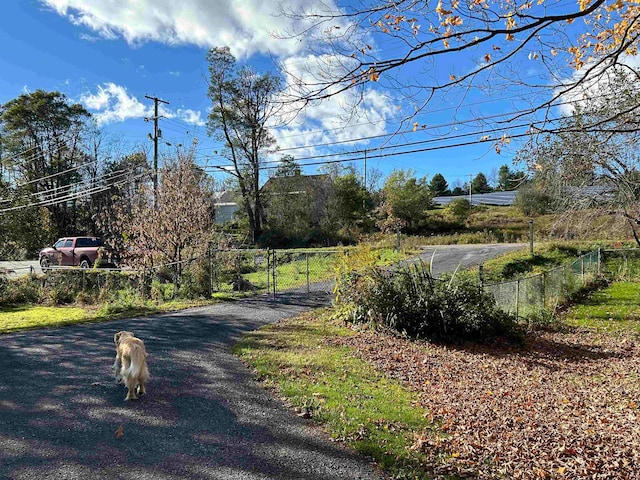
(109,55)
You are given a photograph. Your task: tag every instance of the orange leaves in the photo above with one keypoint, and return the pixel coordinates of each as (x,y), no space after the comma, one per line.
(120,431)
(487,58)
(577,54)
(583,4)
(504,140)
(618,5)
(493,404)
(440,10)
(452,20)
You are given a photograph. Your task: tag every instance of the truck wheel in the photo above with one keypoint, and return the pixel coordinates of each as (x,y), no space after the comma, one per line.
(84,263)
(44,263)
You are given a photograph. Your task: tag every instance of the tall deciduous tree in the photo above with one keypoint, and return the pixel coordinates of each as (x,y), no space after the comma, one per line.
(180,227)
(406,200)
(350,205)
(486,44)
(42,135)
(587,172)
(242,105)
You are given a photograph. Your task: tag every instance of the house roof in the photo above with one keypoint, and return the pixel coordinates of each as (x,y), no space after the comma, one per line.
(296,183)
(225,197)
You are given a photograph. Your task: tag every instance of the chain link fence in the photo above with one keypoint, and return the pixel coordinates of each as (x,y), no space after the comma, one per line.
(621,264)
(530,296)
(273,271)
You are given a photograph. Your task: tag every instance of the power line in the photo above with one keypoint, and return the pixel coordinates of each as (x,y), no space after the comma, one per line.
(75,195)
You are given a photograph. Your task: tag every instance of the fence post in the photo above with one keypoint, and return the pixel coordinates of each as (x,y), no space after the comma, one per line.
(517,297)
(274,267)
(582,269)
(268,271)
(308,286)
(544,290)
(531,237)
(481,275)
(210,265)
(599,260)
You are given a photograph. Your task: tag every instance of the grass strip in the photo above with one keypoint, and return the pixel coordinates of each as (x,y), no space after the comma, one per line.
(30,317)
(613,309)
(328,383)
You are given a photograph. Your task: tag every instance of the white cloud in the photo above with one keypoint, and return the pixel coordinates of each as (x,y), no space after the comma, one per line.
(191,116)
(246,26)
(348,117)
(112,103)
(598,84)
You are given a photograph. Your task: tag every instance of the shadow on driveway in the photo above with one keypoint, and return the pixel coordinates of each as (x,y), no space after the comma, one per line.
(203,416)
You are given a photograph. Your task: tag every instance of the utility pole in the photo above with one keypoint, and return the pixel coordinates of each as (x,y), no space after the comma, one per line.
(156,134)
(365,169)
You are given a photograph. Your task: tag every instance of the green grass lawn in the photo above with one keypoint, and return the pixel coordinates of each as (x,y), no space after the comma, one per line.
(29,317)
(354,403)
(616,308)
(317,266)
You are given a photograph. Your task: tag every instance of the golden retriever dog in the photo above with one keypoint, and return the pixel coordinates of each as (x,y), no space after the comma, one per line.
(131,364)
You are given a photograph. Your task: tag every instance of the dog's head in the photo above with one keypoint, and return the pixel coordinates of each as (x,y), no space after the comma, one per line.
(118,337)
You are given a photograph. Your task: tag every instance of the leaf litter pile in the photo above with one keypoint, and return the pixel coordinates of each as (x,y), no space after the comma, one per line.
(566,405)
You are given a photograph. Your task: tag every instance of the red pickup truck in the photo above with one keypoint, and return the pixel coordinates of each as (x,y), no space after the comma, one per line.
(83,252)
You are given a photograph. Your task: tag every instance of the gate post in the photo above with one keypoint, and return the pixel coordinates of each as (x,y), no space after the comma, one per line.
(268,272)
(308,286)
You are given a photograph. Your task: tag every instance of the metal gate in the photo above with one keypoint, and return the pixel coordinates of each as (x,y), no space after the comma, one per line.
(273,272)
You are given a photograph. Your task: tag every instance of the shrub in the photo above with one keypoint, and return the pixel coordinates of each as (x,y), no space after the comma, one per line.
(122,300)
(19,291)
(459,209)
(161,292)
(411,302)
(532,201)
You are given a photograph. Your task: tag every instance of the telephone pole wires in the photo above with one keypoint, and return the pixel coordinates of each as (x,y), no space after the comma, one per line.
(157,133)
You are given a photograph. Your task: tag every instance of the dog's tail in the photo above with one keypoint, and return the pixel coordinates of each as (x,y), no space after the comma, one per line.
(138,366)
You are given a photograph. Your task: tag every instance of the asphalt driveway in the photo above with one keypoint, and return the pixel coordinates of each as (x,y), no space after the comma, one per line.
(203,416)
(63,416)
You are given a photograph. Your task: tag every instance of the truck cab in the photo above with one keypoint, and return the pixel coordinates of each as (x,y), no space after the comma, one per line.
(83,252)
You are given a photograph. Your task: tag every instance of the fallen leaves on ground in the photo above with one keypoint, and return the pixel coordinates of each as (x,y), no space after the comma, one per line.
(120,431)
(566,405)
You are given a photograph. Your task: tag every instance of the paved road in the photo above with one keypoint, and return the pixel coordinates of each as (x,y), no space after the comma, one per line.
(19,268)
(448,258)
(203,417)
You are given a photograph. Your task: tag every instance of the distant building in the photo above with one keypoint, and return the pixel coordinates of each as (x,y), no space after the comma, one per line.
(283,194)
(226,206)
(297,184)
